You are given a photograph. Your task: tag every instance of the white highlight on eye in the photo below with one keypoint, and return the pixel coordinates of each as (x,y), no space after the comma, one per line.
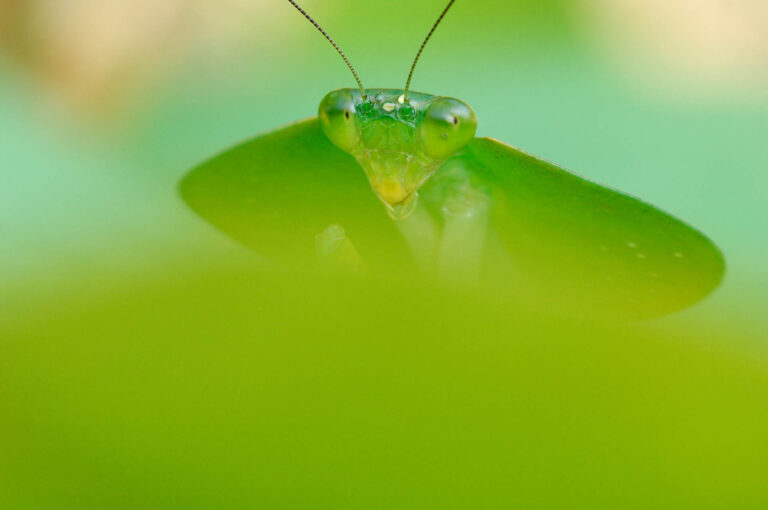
(388,107)
(677,255)
(401,99)
(631,244)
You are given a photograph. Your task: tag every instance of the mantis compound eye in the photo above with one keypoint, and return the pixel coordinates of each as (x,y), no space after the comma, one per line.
(339,120)
(448,125)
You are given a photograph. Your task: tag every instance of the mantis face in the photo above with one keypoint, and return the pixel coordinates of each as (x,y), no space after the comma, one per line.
(399,142)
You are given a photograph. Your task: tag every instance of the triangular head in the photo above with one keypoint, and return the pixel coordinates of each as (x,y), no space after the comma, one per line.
(399,143)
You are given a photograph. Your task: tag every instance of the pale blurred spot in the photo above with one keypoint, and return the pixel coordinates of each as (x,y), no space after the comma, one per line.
(707,48)
(97,57)
(93,50)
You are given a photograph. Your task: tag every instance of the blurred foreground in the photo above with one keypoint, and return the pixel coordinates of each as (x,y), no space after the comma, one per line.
(240,389)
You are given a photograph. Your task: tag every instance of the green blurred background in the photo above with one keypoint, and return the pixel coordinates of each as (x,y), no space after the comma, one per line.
(105,105)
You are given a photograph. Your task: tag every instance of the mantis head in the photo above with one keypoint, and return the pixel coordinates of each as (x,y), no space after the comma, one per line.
(398,139)
(399,142)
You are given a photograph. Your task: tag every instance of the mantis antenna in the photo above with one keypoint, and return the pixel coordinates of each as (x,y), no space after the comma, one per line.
(346,60)
(415,60)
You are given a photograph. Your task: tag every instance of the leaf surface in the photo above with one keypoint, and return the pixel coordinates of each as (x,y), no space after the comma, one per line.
(551,235)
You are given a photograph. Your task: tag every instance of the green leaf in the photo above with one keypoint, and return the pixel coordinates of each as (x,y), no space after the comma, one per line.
(550,235)
(580,240)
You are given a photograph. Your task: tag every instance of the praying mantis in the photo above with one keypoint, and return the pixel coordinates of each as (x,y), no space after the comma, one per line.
(444,202)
